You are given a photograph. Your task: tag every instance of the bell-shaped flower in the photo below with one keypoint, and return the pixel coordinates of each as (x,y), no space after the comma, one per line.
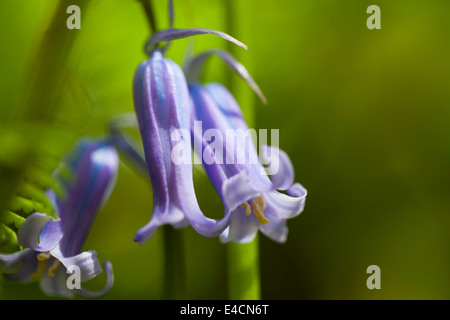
(52,248)
(164,113)
(225,144)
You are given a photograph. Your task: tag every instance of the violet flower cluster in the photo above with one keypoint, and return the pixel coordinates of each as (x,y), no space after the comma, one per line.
(52,248)
(168,102)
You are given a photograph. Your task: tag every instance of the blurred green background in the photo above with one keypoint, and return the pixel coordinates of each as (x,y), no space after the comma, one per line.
(364,115)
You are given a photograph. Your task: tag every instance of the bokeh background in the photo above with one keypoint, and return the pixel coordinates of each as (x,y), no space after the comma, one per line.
(364,115)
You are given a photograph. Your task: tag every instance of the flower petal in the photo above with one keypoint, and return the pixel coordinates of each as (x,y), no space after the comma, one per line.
(57,285)
(242,229)
(109,283)
(87,262)
(238,189)
(94,164)
(234,168)
(40,232)
(173,216)
(281,166)
(286,206)
(276,229)
(19,265)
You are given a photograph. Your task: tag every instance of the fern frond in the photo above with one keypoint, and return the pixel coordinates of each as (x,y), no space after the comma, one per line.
(13,219)
(29,197)
(8,239)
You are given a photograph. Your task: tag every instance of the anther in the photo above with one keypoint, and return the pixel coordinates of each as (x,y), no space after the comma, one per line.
(42,261)
(43,256)
(248,209)
(53,268)
(258,206)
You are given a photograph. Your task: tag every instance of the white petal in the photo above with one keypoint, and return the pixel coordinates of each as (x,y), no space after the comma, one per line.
(87,262)
(109,283)
(39,232)
(286,206)
(242,228)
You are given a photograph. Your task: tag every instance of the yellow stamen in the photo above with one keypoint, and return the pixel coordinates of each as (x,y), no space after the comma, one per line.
(43,256)
(248,209)
(53,268)
(258,206)
(40,270)
(42,262)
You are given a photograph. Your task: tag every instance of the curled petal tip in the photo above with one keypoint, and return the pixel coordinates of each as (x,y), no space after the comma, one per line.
(145,233)
(109,268)
(109,283)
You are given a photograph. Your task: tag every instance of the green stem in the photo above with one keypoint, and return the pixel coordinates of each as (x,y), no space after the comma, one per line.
(243,271)
(242,259)
(174,261)
(148,8)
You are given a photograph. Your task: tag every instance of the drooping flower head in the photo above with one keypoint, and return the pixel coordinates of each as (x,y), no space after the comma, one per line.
(163,109)
(52,248)
(232,163)
(167,113)
(164,113)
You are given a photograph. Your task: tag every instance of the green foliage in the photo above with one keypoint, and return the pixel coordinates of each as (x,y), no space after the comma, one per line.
(8,239)
(29,142)
(30,155)
(13,219)
(28,198)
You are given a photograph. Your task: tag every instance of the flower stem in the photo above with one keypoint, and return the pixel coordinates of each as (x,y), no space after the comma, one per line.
(174,264)
(242,259)
(148,8)
(243,271)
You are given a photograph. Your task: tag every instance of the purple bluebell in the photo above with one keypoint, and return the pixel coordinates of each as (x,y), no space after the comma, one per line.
(52,249)
(243,186)
(163,108)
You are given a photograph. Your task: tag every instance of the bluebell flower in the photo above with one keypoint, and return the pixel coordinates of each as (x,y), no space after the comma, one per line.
(245,188)
(163,108)
(53,248)
(166,110)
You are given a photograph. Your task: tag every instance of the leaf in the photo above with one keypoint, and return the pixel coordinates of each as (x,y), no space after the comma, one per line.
(13,219)
(8,240)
